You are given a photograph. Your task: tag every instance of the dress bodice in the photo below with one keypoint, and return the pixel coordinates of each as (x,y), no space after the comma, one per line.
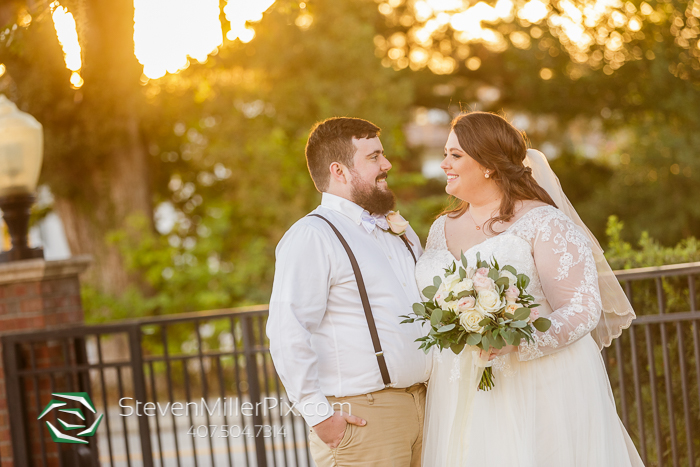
(546,246)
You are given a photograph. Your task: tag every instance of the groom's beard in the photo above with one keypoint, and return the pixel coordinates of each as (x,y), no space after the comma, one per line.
(372,198)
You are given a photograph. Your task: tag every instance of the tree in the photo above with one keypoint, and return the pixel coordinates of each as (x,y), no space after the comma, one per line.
(632,67)
(96,161)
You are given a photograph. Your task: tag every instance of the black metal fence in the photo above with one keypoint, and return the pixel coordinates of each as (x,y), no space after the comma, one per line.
(215,367)
(194,360)
(654,367)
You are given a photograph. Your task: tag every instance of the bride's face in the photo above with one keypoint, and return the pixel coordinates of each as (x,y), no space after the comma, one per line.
(465,176)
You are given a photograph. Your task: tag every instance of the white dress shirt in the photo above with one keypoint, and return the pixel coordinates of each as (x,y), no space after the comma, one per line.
(319,338)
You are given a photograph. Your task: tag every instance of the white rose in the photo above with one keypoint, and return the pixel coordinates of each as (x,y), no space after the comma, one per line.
(512,280)
(470,320)
(439,299)
(511,307)
(396,222)
(450,282)
(489,302)
(464,285)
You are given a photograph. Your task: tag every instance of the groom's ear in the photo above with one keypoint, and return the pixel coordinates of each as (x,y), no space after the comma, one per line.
(339,173)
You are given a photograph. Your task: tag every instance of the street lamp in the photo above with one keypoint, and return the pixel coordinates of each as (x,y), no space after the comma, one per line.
(21,152)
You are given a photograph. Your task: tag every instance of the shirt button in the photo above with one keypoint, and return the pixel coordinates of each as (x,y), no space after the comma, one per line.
(389,256)
(404,284)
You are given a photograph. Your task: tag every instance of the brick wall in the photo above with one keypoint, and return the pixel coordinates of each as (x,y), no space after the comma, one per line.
(42,295)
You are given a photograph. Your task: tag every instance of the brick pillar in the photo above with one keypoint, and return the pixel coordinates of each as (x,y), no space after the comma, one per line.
(35,295)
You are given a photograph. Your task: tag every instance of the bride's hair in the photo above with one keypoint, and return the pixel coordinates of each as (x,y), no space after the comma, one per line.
(498,146)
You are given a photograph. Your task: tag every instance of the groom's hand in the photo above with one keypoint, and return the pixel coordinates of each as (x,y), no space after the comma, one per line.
(332,430)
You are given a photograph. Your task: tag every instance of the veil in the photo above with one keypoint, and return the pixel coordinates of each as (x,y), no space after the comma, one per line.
(617,311)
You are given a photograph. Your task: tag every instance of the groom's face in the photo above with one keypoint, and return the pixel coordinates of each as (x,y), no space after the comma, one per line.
(368,177)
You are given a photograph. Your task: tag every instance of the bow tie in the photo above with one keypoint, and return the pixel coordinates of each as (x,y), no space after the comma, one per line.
(370,221)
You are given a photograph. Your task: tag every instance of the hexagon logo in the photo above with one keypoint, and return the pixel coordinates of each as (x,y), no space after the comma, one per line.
(82,398)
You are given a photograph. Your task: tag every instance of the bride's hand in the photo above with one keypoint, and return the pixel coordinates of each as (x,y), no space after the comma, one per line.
(503,351)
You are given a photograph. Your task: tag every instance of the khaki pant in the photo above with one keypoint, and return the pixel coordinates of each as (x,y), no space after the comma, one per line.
(392,437)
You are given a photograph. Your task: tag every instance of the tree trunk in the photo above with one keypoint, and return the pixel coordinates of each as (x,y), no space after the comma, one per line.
(87,227)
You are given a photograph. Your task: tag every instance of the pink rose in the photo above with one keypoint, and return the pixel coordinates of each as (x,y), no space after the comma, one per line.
(482,272)
(482,283)
(466,303)
(534,314)
(512,294)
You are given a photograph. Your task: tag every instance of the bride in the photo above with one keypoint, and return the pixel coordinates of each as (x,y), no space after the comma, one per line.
(552,405)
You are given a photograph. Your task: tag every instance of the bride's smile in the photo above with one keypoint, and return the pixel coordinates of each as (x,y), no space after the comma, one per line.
(465,177)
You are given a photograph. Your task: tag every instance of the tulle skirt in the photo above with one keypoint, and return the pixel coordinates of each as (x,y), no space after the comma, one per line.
(554,411)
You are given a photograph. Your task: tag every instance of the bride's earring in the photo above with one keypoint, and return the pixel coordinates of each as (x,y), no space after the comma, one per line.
(486,175)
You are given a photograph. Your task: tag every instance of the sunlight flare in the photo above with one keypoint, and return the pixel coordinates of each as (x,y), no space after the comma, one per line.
(240,12)
(167,33)
(67,35)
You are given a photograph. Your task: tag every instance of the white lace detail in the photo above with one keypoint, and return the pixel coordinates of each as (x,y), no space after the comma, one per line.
(502,367)
(548,247)
(532,350)
(436,237)
(455,373)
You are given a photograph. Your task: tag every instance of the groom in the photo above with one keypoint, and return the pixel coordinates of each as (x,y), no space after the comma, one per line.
(349,366)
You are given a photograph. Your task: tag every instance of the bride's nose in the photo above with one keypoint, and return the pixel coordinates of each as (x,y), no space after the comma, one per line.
(444,165)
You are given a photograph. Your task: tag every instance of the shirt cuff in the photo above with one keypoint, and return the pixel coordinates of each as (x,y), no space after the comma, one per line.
(315,409)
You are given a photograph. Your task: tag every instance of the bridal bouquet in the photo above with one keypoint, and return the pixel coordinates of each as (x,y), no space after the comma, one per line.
(480,307)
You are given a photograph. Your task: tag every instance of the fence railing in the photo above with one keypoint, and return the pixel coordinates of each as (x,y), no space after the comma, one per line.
(145,368)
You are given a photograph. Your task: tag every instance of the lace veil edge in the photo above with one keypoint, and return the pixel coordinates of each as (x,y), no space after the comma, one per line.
(617,313)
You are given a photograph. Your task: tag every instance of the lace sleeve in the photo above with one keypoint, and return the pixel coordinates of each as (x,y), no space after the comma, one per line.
(567,271)
(437,234)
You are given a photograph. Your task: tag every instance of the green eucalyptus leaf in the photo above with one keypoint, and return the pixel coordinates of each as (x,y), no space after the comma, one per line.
(523,281)
(464,260)
(473,338)
(437,281)
(430,291)
(445,328)
(518,324)
(510,269)
(419,309)
(436,317)
(521,314)
(462,273)
(542,324)
(503,282)
(457,348)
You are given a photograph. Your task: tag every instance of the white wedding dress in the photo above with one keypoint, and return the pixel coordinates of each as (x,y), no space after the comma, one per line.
(552,405)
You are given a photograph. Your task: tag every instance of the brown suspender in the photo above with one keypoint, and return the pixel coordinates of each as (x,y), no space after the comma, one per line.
(365,301)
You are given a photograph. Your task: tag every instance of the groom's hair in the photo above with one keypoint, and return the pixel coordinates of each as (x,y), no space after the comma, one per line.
(331,141)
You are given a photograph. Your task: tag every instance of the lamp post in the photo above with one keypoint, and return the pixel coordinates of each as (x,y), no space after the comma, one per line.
(21,153)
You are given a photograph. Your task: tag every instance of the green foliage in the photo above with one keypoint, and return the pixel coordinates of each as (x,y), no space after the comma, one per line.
(622,255)
(230,153)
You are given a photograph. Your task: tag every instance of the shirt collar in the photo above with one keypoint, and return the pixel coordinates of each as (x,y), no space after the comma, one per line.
(343,206)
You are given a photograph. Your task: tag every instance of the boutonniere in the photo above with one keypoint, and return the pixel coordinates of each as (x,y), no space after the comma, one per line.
(397,224)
